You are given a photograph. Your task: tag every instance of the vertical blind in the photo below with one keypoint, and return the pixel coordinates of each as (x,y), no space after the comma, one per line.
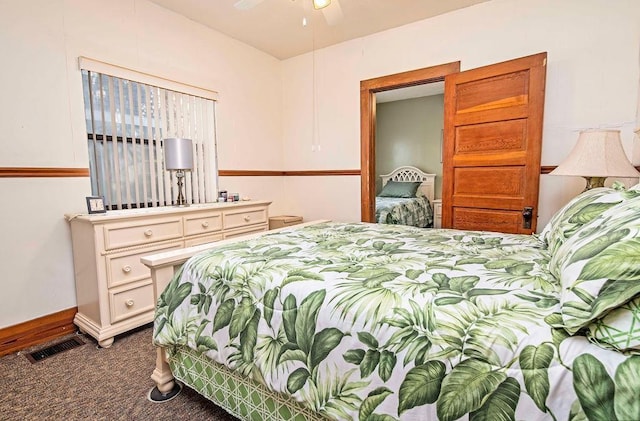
(127,116)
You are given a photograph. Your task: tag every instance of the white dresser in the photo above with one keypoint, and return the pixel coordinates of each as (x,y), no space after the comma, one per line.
(113,288)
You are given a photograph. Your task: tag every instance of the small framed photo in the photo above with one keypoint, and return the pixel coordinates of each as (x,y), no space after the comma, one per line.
(95,204)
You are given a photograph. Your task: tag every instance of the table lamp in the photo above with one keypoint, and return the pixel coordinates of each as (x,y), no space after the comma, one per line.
(598,154)
(178,157)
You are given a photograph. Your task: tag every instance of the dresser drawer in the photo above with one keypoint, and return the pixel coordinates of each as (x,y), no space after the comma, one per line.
(244,217)
(132,233)
(126,267)
(202,223)
(203,240)
(131,301)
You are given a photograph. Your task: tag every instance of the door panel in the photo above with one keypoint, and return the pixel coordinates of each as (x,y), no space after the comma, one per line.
(490,220)
(503,91)
(483,187)
(492,145)
(500,181)
(494,137)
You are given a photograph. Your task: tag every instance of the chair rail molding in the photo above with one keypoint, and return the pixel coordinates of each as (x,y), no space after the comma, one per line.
(44,172)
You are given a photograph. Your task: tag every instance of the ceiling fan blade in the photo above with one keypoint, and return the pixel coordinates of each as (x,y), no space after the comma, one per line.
(246,4)
(321,4)
(333,13)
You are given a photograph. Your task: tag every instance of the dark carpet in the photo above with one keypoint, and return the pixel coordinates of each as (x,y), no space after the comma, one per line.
(89,383)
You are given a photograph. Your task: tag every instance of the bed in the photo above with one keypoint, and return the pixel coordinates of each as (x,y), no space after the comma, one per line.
(375,322)
(406,198)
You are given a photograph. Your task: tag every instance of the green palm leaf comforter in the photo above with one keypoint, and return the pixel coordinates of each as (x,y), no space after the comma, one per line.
(378,322)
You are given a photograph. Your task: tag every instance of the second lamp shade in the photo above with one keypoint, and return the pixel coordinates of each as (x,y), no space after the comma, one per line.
(598,153)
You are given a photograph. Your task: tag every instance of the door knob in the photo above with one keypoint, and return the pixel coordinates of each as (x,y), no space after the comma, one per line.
(527,216)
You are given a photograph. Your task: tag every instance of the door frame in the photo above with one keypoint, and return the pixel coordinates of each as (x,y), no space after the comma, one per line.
(368,89)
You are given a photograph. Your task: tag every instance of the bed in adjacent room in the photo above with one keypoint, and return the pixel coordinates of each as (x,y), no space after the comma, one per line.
(406,198)
(387,322)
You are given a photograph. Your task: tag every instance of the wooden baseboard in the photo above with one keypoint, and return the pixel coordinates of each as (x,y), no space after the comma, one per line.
(36,331)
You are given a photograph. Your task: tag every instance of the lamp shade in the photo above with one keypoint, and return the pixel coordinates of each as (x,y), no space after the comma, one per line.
(598,153)
(178,154)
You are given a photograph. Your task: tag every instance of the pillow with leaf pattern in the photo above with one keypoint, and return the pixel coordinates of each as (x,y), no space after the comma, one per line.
(619,329)
(599,266)
(580,210)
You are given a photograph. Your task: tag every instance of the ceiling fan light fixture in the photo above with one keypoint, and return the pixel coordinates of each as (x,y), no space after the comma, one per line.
(321,4)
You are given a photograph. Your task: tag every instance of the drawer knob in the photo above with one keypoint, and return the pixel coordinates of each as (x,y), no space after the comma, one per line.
(247,218)
(148,233)
(126,269)
(129,303)
(205,224)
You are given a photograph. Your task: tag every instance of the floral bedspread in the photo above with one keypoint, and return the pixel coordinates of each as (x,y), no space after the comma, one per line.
(415,211)
(385,322)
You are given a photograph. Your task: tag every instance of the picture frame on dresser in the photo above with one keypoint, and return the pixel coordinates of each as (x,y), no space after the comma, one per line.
(95,204)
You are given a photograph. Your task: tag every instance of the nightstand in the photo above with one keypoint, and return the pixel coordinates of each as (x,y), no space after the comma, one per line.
(282,221)
(437,213)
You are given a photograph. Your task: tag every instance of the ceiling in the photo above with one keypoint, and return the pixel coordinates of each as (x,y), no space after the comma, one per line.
(275,26)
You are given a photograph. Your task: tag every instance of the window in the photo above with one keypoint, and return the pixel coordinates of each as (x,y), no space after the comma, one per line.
(127,115)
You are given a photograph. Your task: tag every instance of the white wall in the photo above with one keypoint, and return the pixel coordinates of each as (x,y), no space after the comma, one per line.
(592,81)
(42,122)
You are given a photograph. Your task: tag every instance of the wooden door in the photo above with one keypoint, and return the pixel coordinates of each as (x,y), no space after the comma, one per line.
(492,145)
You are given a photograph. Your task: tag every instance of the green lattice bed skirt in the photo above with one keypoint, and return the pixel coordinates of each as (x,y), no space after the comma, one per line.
(240,396)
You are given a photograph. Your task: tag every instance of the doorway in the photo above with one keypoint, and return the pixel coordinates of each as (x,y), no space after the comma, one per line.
(409,132)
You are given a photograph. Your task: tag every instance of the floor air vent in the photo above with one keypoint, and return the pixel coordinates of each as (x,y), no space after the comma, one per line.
(54,349)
